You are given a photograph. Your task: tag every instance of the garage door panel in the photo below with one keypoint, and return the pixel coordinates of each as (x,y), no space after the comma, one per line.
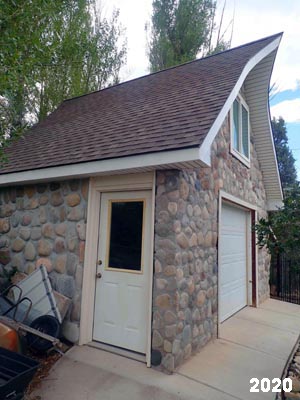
(233,261)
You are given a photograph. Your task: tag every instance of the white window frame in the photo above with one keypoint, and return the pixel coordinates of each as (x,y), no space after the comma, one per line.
(240,156)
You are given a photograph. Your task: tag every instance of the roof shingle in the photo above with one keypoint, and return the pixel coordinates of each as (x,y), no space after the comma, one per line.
(168,110)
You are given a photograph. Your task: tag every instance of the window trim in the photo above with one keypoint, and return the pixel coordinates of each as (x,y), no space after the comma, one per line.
(240,156)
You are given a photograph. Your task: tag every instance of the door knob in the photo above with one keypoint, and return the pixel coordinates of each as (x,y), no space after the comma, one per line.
(99,275)
(99,262)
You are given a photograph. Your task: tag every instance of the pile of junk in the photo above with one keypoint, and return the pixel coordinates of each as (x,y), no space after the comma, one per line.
(30,319)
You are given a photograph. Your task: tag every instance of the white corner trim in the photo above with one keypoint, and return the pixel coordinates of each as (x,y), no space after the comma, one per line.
(93,168)
(273,205)
(204,150)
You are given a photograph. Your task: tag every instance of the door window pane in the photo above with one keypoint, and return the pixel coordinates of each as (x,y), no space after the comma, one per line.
(126,232)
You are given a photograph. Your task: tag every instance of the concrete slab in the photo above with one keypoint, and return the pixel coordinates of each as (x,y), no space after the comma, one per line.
(85,373)
(253,343)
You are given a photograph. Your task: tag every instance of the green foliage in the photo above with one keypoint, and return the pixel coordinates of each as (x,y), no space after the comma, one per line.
(280,233)
(286,161)
(181,29)
(50,51)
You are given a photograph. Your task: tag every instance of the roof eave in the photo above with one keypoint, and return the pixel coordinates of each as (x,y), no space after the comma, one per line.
(256,74)
(176,159)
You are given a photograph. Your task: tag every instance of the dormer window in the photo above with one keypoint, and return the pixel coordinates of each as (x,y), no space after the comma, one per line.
(240,131)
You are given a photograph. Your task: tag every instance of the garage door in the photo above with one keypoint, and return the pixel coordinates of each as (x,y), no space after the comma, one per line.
(233,261)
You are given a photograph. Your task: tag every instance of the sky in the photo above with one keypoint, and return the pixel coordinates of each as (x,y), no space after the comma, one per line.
(253,20)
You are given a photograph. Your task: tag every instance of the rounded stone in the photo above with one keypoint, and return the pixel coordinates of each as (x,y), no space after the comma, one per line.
(201,297)
(26,220)
(157,340)
(193,240)
(61,229)
(197,211)
(31,204)
(208,239)
(170,317)
(157,267)
(73,199)
(163,301)
(182,240)
(30,252)
(29,268)
(30,191)
(161,284)
(167,346)
(56,199)
(44,247)
(76,214)
(170,270)
(4,256)
(73,244)
(176,346)
(25,233)
(46,262)
(60,263)
(81,251)
(186,335)
(85,189)
(184,300)
(184,189)
(18,245)
(81,229)
(4,225)
(43,215)
(172,208)
(43,200)
(190,210)
(59,245)
(17,261)
(36,233)
(168,363)
(48,231)
(170,331)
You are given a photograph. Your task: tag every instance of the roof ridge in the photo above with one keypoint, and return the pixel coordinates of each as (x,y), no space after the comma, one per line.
(176,66)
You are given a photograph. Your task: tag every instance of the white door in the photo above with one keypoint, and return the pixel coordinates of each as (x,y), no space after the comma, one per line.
(233,261)
(122,285)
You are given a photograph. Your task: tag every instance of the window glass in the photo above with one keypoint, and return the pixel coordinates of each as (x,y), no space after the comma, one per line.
(126,232)
(245,132)
(236,125)
(240,128)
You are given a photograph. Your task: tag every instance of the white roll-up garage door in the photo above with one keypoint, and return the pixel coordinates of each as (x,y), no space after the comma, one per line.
(232,261)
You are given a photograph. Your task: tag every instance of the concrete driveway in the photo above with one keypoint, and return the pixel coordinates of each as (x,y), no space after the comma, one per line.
(253,343)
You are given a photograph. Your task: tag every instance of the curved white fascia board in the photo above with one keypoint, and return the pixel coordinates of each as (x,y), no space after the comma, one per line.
(274,205)
(141,162)
(204,149)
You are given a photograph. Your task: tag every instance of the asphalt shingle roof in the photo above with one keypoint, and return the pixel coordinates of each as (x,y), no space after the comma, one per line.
(168,110)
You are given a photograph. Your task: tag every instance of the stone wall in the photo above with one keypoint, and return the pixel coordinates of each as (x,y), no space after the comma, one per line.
(186,229)
(46,224)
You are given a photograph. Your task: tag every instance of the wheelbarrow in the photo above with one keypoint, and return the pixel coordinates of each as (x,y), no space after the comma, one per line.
(43,332)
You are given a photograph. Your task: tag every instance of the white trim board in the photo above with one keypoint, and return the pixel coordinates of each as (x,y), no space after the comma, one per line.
(97,186)
(150,161)
(204,153)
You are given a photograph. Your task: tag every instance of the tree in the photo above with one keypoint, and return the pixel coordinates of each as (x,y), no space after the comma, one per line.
(50,51)
(280,232)
(181,29)
(285,159)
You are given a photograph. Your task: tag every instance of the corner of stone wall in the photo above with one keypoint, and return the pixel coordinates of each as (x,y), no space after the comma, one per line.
(46,224)
(185,278)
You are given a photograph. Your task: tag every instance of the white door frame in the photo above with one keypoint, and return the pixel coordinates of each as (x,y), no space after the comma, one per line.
(98,185)
(244,205)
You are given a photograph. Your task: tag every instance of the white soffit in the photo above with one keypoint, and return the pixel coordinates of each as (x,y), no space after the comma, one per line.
(185,158)
(256,76)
